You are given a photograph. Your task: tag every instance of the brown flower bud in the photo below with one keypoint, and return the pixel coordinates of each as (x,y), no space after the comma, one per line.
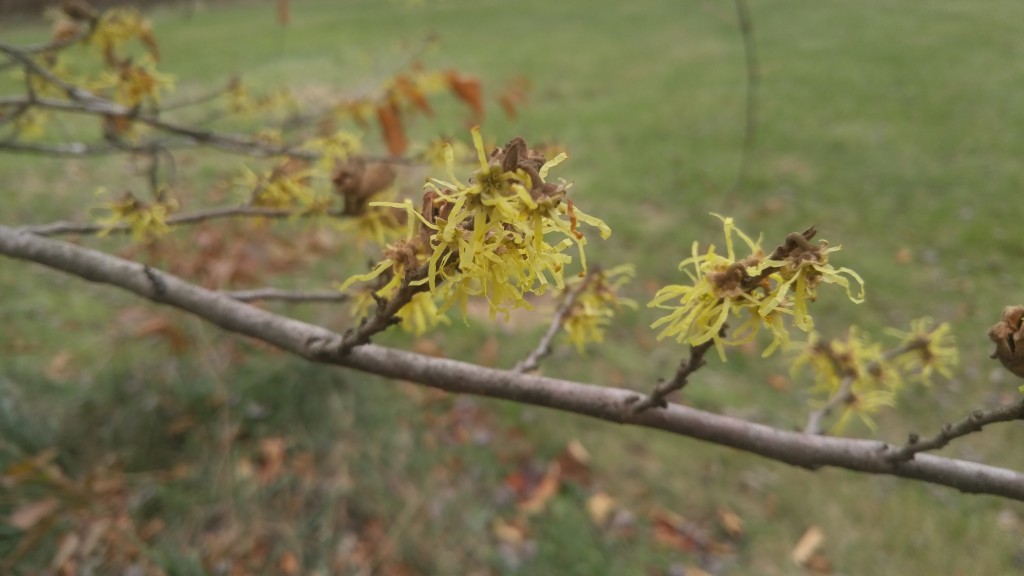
(1008,334)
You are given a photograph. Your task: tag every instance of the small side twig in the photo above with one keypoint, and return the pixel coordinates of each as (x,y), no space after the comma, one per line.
(386,313)
(971,423)
(656,399)
(264,294)
(843,396)
(543,349)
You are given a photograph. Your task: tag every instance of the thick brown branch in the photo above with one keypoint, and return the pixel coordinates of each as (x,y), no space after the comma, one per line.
(611,404)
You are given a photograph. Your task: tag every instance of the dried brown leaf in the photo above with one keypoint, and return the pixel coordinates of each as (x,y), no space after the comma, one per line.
(731,522)
(668,530)
(271,459)
(69,544)
(390,120)
(26,516)
(508,532)
(808,544)
(59,366)
(599,508)
(470,91)
(544,491)
(574,461)
(1008,335)
(284,16)
(289,564)
(819,564)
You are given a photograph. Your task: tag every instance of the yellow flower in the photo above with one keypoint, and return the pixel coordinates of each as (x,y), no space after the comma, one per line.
(926,349)
(761,291)
(435,152)
(29,123)
(56,64)
(134,82)
(595,304)
(720,287)
(863,405)
(487,238)
(800,267)
(118,26)
(866,377)
(490,237)
(335,149)
(421,314)
(285,187)
(144,219)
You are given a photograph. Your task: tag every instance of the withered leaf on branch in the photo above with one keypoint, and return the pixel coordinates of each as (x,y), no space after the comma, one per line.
(1007,335)
(390,119)
(469,90)
(357,180)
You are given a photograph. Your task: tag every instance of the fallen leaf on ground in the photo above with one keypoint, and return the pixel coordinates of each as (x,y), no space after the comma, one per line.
(819,564)
(28,515)
(671,529)
(59,366)
(508,533)
(731,522)
(574,462)
(599,508)
(271,459)
(289,564)
(68,546)
(547,488)
(807,545)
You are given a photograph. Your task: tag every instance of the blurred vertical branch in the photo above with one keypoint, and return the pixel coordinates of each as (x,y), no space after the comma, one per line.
(746,23)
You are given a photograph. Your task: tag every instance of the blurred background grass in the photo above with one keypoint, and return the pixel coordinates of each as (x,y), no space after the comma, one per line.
(889,126)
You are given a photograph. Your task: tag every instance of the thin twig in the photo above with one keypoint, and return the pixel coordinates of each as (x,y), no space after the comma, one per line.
(61,44)
(656,399)
(971,423)
(842,396)
(263,294)
(61,228)
(87,103)
(194,101)
(386,313)
(543,349)
(33,67)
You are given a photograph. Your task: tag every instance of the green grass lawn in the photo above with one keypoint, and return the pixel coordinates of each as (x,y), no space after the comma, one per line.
(892,127)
